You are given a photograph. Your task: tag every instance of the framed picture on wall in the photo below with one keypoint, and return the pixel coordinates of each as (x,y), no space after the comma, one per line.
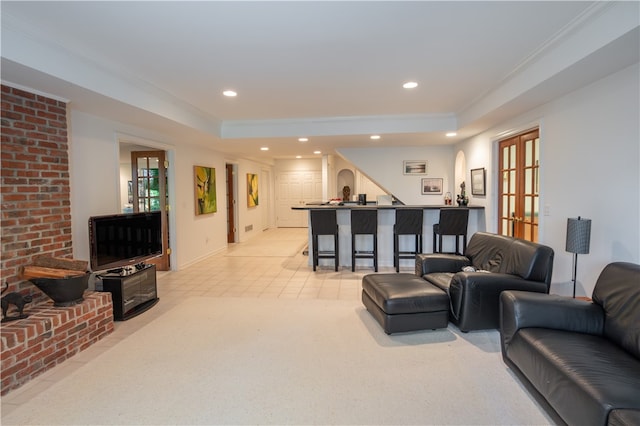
(431,186)
(205,186)
(478,183)
(414,167)
(252,190)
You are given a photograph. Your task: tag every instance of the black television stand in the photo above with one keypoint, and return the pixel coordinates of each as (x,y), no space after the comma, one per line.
(132,292)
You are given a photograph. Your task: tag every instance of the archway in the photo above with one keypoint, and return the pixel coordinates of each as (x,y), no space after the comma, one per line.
(345,178)
(459,173)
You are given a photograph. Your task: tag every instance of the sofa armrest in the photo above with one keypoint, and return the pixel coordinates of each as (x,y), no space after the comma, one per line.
(440,262)
(522,309)
(475,297)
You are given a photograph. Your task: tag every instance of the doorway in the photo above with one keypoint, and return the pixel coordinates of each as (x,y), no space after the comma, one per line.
(519,184)
(149,193)
(231,204)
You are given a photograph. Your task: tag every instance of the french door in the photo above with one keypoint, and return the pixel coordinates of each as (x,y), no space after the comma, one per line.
(519,171)
(149,175)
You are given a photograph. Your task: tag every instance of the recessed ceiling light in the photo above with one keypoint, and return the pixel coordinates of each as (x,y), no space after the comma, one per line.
(303,139)
(298,156)
(317,152)
(264,148)
(451,134)
(375,137)
(410,85)
(230,93)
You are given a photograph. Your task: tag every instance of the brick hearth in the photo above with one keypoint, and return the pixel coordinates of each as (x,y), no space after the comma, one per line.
(36,221)
(51,335)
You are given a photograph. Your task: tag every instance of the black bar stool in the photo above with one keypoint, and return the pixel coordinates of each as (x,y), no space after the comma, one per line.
(453,221)
(408,222)
(364,222)
(324,222)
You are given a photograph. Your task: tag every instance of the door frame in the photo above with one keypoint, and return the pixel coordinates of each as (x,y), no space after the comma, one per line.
(231,172)
(497,178)
(163,261)
(150,145)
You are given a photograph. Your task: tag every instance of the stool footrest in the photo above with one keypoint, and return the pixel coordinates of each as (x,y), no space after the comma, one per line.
(404,302)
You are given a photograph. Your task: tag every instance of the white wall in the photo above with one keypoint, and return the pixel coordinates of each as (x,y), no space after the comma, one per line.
(590,161)
(125,177)
(384,166)
(590,167)
(96,188)
(197,236)
(302,164)
(250,215)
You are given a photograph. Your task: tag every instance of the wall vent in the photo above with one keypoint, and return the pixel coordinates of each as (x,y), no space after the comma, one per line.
(248,228)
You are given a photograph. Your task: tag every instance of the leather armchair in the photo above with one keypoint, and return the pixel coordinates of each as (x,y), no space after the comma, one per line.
(498,263)
(579,359)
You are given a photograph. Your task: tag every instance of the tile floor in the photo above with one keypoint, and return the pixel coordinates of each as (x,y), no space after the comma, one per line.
(221,275)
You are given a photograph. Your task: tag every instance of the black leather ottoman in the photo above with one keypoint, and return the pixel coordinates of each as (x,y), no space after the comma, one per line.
(404,302)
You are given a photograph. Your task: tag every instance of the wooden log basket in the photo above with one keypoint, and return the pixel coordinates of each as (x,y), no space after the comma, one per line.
(62,280)
(54,267)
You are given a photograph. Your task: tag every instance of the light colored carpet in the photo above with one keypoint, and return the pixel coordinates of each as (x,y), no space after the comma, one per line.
(278,361)
(289,241)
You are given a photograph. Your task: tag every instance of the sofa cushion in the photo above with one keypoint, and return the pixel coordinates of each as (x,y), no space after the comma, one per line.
(506,255)
(618,292)
(529,260)
(442,280)
(487,251)
(581,375)
(404,294)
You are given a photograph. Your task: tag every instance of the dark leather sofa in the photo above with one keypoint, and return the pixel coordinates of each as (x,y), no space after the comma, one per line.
(579,359)
(500,263)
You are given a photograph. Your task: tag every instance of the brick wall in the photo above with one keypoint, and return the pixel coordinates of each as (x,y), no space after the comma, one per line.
(36,221)
(51,335)
(36,215)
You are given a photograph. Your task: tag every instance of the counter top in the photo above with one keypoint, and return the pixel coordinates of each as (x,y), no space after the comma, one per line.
(352,206)
(386,221)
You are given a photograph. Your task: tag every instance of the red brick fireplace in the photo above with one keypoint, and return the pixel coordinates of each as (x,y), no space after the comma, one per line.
(36,221)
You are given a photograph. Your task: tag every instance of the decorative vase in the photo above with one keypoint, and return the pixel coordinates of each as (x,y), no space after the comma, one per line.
(63,291)
(346,193)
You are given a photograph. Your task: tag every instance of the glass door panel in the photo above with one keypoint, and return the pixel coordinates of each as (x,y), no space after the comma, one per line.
(149,172)
(519,192)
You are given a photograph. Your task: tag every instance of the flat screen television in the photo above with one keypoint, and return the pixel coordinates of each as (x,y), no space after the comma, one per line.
(124,239)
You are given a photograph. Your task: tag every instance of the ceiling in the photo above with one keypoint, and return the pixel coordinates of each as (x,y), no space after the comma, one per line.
(329,71)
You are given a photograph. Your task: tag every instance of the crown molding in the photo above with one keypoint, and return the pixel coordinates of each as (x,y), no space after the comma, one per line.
(328,126)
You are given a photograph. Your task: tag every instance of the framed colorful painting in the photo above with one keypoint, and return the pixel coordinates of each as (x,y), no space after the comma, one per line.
(205,183)
(252,190)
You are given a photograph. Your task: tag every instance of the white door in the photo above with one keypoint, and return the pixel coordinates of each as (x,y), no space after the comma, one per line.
(311,187)
(296,189)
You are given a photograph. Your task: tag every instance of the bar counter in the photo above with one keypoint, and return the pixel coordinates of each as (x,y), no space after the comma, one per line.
(386,220)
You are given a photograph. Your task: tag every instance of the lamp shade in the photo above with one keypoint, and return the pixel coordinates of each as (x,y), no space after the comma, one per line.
(578,235)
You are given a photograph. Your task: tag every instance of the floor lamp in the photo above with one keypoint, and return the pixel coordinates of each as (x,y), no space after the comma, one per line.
(578,238)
